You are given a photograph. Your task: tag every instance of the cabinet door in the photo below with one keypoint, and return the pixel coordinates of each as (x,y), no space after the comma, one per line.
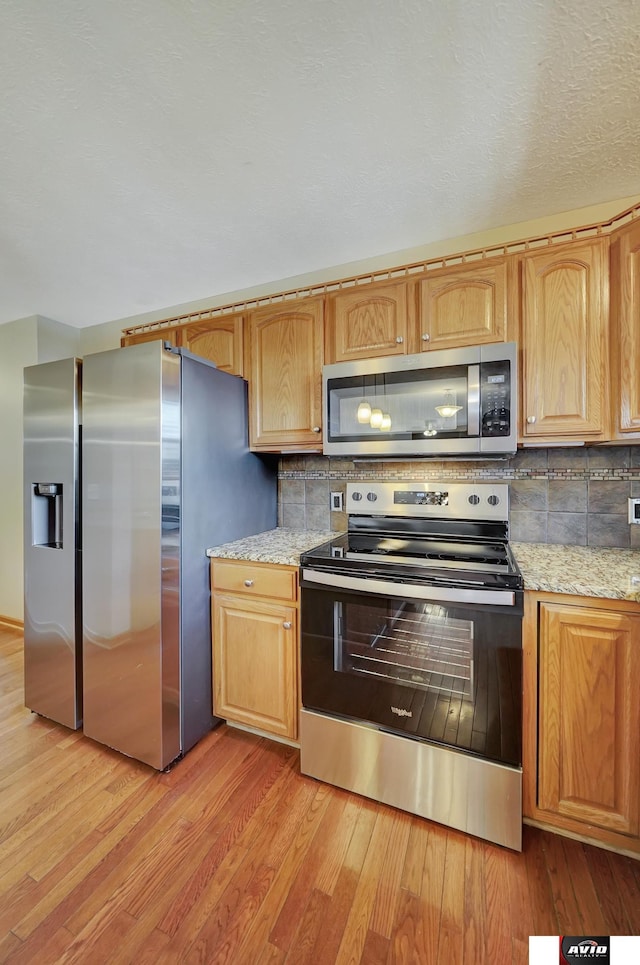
(219,340)
(285,377)
(464,306)
(171,335)
(564,316)
(254,664)
(625,308)
(368,322)
(589,716)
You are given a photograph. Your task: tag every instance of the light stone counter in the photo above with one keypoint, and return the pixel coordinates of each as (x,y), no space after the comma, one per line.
(280,545)
(579,570)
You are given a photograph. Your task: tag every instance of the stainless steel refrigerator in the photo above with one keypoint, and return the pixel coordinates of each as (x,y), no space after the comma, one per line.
(166,472)
(52,561)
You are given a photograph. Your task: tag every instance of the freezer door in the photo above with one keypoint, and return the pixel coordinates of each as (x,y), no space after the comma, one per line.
(131,646)
(52,569)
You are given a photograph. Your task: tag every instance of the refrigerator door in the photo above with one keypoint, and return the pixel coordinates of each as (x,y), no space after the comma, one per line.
(226,493)
(52,565)
(131,645)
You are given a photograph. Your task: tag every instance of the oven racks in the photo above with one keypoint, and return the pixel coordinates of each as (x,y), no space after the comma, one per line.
(426,651)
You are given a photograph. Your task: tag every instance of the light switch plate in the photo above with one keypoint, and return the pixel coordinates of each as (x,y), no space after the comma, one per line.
(337,502)
(634,509)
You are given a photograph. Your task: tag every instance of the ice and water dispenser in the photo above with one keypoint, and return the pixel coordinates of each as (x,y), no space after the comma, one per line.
(46,514)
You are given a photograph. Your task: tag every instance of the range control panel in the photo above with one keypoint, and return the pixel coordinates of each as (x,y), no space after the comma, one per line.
(415,498)
(488,501)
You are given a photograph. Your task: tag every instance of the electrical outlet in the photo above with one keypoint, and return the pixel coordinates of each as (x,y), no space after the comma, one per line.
(337,502)
(634,509)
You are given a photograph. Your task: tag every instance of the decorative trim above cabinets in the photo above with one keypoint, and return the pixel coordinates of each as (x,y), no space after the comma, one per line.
(474,255)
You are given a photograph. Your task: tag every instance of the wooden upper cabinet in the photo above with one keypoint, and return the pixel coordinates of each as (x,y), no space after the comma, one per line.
(588,761)
(625,326)
(564,342)
(463,306)
(218,339)
(368,322)
(285,376)
(171,335)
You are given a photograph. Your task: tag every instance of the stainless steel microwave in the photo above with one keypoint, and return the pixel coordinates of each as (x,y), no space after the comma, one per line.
(453,402)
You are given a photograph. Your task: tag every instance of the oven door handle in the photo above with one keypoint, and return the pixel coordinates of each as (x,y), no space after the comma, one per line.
(416,591)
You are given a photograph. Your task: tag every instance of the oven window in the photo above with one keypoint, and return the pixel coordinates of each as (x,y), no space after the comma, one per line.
(444,672)
(416,644)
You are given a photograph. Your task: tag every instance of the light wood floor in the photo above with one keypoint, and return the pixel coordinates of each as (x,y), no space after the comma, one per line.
(234,857)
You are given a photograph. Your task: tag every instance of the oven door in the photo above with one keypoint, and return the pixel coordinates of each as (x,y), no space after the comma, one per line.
(440,670)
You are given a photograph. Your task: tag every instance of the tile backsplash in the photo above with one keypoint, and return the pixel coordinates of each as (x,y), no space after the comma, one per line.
(562,495)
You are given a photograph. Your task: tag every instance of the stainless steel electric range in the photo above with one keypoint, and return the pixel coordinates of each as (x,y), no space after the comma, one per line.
(412,656)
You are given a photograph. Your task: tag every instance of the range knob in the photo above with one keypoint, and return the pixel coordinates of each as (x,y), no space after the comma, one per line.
(493,500)
(371,497)
(474,499)
(356,496)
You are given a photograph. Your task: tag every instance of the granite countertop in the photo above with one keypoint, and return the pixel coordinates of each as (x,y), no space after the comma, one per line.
(579,570)
(575,570)
(279,545)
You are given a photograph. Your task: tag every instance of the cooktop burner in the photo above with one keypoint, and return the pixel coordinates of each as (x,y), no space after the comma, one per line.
(425,550)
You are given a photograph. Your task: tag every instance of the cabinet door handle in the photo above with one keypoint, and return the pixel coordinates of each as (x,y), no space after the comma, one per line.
(425,337)
(248,582)
(531,419)
(286,625)
(316,429)
(399,339)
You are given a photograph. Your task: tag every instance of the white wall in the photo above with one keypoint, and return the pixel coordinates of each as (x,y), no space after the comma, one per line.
(100,338)
(595,214)
(56,341)
(18,347)
(26,341)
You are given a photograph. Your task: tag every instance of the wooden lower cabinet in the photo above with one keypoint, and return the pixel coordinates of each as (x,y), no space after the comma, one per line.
(587,725)
(255,646)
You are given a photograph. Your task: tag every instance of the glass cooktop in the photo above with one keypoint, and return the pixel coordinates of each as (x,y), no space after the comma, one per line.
(404,556)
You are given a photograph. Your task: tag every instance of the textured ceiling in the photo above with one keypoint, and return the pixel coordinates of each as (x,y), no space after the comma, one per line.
(154,152)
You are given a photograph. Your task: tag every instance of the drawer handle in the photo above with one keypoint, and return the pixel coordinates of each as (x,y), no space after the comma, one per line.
(531,419)
(426,337)
(316,429)
(286,625)
(399,339)
(248,582)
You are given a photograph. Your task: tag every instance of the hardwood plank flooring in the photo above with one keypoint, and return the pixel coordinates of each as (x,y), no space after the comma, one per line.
(234,857)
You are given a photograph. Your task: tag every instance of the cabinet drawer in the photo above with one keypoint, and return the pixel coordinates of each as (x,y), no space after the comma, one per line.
(255,579)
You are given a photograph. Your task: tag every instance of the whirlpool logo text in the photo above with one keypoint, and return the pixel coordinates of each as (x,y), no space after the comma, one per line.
(401,712)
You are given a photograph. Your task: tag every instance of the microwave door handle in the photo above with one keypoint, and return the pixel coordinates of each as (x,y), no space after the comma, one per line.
(473,400)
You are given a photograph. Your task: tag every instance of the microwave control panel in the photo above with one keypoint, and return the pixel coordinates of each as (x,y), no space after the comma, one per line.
(495,398)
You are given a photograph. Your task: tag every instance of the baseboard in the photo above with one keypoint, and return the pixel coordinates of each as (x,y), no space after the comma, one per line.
(263,733)
(615,846)
(10,622)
